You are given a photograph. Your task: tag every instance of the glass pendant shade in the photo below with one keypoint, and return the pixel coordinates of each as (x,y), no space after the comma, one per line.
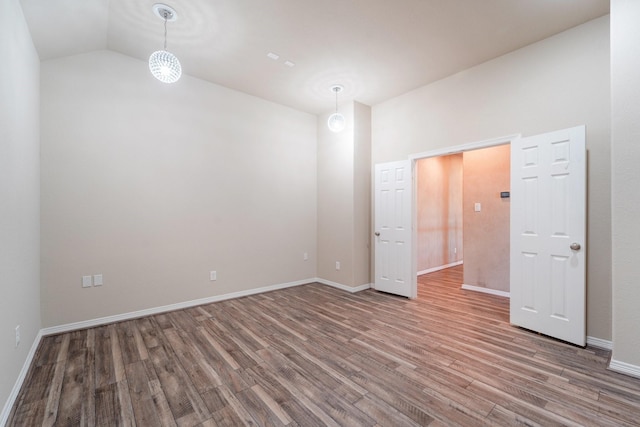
(165,66)
(336,122)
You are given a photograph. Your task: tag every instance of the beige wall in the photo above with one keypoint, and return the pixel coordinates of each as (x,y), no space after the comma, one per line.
(154,185)
(344,197)
(19,195)
(557,83)
(362,195)
(625,84)
(486,233)
(439,211)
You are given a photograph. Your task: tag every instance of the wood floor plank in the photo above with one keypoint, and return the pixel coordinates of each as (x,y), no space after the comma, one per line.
(104,367)
(141,398)
(173,383)
(88,409)
(273,406)
(70,401)
(291,404)
(383,413)
(233,404)
(313,355)
(160,402)
(55,390)
(107,405)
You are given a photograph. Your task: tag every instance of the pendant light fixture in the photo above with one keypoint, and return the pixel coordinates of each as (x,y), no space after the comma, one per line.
(163,64)
(336,121)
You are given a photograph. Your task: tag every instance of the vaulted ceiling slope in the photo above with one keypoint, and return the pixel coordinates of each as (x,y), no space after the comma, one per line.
(377,49)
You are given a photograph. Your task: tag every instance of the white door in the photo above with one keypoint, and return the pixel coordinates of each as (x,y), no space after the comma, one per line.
(393,215)
(548,236)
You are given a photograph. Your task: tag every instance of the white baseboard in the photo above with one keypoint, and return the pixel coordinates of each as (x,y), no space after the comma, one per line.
(485,290)
(171,307)
(187,304)
(600,343)
(4,416)
(352,289)
(624,368)
(442,267)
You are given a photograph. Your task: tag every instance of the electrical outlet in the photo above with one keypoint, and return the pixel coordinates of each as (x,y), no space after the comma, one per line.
(86,281)
(17,336)
(213,275)
(337,265)
(97,280)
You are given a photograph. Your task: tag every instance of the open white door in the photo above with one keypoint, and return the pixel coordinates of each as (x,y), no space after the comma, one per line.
(393,234)
(548,234)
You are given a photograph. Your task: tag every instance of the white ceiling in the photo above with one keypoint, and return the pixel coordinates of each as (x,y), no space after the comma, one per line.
(377,49)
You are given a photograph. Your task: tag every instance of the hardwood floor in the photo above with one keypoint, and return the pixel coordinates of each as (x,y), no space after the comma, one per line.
(314,355)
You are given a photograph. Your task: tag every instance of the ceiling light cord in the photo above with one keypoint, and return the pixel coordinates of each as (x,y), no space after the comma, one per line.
(165,29)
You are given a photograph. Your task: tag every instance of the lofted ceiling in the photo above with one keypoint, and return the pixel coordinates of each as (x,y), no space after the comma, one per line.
(376,49)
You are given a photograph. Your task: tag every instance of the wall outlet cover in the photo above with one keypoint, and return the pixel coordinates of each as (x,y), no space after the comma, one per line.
(86,281)
(97,280)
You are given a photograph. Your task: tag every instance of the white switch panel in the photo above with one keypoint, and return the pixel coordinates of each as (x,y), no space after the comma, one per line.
(213,275)
(477,207)
(97,280)
(305,256)
(337,265)
(86,281)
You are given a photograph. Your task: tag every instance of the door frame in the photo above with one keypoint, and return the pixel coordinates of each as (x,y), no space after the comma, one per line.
(457,149)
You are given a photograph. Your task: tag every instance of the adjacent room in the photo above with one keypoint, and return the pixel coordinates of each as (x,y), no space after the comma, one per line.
(190,226)
(462,216)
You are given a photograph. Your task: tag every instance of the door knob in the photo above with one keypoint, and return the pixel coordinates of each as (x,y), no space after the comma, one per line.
(575,246)
(377,233)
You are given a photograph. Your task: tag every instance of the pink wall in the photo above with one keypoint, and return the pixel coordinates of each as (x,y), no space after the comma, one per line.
(486,233)
(439,211)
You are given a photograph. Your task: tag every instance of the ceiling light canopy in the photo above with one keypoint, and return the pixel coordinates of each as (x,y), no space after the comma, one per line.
(163,64)
(336,121)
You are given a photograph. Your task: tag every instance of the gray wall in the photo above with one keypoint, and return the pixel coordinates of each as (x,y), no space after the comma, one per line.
(154,185)
(344,198)
(625,84)
(19,194)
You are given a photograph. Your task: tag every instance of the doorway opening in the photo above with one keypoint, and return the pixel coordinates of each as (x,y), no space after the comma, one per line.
(463,214)
(460,150)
